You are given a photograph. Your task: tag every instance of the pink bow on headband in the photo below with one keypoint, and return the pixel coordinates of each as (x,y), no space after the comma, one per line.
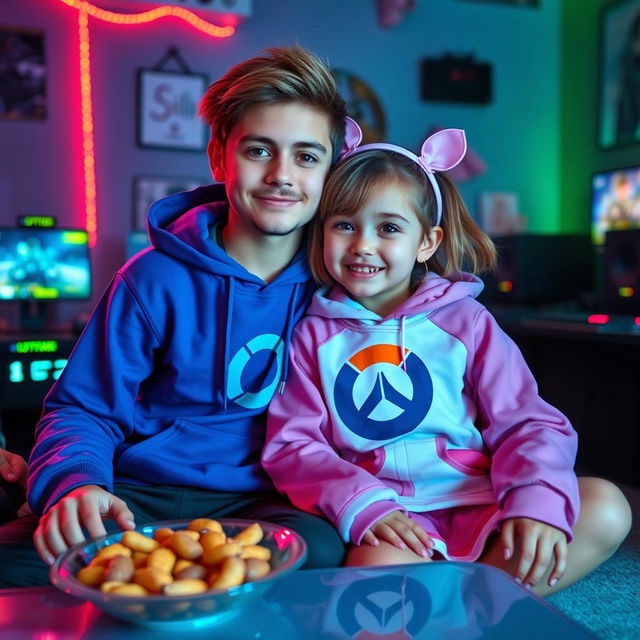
(440,152)
(352,137)
(443,150)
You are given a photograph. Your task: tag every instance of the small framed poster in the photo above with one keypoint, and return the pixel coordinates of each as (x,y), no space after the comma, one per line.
(23,74)
(167,110)
(500,214)
(149,189)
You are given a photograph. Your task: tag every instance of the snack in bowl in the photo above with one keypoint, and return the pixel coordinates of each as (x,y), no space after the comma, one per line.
(179,575)
(182,562)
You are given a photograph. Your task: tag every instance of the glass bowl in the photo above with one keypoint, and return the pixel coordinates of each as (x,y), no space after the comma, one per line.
(288,551)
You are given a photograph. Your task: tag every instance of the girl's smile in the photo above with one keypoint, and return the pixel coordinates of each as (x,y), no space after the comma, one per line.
(363,269)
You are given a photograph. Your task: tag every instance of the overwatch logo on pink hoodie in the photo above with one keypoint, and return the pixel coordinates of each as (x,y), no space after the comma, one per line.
(374,408)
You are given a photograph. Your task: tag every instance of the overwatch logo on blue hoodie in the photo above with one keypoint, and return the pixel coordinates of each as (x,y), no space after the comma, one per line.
(367,397)
(260,355)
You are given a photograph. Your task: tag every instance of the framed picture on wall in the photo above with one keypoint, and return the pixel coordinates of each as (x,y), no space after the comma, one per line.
(23,74)
(619,96)
(500,213)
(167,117)
(148,189)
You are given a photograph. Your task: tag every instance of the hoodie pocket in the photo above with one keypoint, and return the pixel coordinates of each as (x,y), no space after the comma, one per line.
(467,461)
(186,451)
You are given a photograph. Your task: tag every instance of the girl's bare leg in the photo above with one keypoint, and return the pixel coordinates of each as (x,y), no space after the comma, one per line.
(603,524)
(367,556)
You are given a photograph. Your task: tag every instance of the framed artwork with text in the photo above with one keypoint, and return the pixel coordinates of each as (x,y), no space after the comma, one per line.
(167,110)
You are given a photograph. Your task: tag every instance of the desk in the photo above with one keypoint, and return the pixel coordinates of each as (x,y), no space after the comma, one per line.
(443,600)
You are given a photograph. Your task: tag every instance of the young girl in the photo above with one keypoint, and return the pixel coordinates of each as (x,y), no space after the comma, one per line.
(410,420)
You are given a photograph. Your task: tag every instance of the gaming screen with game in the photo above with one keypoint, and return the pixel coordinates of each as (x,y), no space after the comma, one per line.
(44,264)
(615,201)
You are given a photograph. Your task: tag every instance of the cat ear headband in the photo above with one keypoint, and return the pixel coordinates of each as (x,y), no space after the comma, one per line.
(440,152)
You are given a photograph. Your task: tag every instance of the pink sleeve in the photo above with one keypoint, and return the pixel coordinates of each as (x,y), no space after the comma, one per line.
(517,504)
(369,516)
(532,444)
(299,457)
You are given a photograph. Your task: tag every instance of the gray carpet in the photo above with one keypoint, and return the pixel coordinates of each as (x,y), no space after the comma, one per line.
(608,600)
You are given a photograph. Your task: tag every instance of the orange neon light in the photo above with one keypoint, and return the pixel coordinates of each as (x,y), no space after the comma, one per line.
(86,9)
(150,16)
(88,147)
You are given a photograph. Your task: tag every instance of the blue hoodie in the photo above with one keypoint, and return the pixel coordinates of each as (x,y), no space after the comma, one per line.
(142,399)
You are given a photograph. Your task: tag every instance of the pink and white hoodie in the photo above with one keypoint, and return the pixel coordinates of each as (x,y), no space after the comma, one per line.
(429,408)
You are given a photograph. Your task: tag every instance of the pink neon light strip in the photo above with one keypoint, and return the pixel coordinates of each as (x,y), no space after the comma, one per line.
(86,9)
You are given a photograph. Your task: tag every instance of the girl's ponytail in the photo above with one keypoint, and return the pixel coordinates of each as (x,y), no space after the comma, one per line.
(464,245)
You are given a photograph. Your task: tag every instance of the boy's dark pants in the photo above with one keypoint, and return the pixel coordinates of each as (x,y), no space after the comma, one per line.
(21,566)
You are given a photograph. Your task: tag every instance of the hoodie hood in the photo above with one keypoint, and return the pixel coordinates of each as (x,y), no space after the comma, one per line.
(180,226)
(433,293)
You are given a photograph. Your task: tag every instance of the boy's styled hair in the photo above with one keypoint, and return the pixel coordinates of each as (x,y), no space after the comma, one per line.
(282,74)
(355,181)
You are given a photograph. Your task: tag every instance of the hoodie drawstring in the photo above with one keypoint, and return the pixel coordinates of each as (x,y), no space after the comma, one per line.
(227,336)
(403,357)
(288,331)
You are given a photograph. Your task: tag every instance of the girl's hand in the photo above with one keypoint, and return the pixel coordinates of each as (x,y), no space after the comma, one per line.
(402,532)
(540,546)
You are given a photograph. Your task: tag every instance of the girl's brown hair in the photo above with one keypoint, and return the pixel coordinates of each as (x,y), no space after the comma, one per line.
(354,182)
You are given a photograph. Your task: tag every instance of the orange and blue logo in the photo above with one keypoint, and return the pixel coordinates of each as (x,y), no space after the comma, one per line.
(378,409)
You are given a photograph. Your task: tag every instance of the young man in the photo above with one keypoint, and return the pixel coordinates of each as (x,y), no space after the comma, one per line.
(160,412)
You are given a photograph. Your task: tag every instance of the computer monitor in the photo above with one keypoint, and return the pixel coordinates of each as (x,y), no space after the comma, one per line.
(615,201)
(41,265)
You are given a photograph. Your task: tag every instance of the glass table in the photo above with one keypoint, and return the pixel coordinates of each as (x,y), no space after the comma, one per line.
(439,601)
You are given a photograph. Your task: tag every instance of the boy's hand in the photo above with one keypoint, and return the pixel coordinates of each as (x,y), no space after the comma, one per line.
(13,468)
(402,532)
(86,506)
(540,547)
